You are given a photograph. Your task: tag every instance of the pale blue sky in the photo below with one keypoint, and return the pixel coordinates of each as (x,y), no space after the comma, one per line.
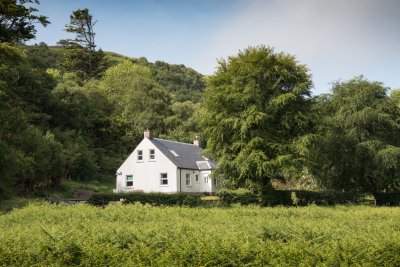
(335,39)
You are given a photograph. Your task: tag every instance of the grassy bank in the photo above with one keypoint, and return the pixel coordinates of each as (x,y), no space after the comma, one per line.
(137,235)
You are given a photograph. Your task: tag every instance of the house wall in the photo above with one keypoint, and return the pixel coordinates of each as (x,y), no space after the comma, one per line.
(146,173)
(204,184)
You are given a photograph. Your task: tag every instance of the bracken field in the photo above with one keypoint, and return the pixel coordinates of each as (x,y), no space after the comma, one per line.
(142,235)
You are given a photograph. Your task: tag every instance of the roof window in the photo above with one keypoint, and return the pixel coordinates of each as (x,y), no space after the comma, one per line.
(174,153)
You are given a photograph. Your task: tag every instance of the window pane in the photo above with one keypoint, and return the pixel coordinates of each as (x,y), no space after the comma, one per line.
(188,179)
(139,155)
(129,180)
(163,179)
(152,154)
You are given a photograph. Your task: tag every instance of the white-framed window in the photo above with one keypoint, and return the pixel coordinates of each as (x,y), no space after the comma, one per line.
(206,179)
(152,154)
(129,180)
(197,177)
(163,179)
(140,155)
(215,181)
(188,180)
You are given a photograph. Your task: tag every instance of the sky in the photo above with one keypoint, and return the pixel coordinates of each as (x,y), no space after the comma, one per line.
(336,40)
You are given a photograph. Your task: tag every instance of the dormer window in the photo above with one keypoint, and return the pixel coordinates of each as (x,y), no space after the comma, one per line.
(152,155)
(140,155)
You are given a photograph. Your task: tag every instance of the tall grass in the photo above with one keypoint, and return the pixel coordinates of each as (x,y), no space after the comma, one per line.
(142,235)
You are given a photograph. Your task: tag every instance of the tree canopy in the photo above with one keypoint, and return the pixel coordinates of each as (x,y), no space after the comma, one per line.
(17,20)
(81,56)
(358,147)
(256,111)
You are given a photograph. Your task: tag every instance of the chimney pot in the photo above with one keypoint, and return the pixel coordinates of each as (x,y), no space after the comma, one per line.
(148,134)
(196,141)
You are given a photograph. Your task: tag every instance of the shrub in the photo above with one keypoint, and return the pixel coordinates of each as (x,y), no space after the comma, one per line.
(155,199)
(304,198)
(241,196)
(387,199)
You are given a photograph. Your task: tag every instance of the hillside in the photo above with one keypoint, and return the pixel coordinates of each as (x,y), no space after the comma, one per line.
(184,83)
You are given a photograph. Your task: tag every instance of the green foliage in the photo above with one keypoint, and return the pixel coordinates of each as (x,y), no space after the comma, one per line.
(18,19)
(143,235)
(42,56)
(305,198)
(239,196)
(387,199)
(156,199)
(31,158)
(255,116)
(80,54)
(184,83)
(81,24)
(181,125)
(395,96)
(138,101)
(358,145)
(24,86)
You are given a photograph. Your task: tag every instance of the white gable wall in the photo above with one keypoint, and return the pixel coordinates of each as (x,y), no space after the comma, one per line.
(146,173)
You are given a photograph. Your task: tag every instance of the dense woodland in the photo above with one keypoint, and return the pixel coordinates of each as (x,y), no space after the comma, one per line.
(74,112)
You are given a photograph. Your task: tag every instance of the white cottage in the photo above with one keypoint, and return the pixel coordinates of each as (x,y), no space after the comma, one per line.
(158,165)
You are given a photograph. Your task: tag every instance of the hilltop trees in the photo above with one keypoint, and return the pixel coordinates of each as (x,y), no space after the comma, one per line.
(81,56)
(256,112)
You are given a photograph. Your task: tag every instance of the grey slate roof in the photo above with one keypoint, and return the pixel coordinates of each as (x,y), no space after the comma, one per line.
(189,155)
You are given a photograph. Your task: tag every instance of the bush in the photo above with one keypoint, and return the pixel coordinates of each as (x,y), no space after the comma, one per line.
(387,199)
(241,196)
(304,198)
(155,199)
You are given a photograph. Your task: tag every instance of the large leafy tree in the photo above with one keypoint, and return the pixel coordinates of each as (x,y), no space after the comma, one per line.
(255,116)
(359,142)
(81,55)
(17,20)
(139,102)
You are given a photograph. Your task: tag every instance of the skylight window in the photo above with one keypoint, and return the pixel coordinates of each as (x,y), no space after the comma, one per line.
(174,153)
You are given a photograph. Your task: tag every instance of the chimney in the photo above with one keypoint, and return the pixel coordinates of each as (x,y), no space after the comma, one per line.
(196,141)
(148,134)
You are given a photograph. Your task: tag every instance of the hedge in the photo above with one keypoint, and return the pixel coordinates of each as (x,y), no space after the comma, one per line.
(387,199)
(304,198)
(241,196)
(155,199)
